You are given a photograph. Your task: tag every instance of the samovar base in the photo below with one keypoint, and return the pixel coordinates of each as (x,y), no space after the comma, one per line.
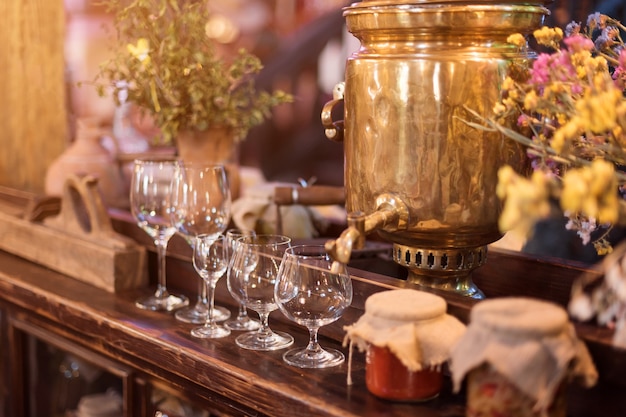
(442,269)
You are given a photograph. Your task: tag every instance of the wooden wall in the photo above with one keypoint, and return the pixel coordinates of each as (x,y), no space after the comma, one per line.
(33,116)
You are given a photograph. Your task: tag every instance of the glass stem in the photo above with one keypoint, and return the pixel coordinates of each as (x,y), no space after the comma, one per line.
(243,312)
(202,297)
(264,331)
(313,346)
(161,248)
(202,294)
(210,321)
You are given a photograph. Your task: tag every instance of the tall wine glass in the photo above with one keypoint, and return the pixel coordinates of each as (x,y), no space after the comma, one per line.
(251,281)
(210,260)
(151,206)
(313,293)
(242,322)
(202,205)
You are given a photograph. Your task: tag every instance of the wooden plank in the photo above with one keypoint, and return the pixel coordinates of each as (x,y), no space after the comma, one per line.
(34,128)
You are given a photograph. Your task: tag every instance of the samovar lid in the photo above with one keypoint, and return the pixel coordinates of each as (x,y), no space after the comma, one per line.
(370,3)
(420,17)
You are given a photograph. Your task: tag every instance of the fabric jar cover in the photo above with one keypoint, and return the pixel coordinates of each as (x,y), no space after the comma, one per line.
(412,324)
(537,334)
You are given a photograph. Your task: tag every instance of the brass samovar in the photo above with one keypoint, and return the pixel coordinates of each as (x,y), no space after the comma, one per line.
(415,171)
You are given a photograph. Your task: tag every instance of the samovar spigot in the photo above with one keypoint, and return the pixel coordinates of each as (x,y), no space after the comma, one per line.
(391,215)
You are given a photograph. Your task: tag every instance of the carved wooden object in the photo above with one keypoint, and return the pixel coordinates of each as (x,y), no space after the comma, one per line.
(79,241)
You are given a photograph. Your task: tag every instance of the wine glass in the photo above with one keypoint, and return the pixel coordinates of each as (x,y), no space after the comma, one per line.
(210,260)
(242,321)
(201,205)
(313,291)
(151,206)
(251,282)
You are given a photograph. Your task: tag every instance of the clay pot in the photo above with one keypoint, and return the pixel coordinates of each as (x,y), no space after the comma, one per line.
(87,156)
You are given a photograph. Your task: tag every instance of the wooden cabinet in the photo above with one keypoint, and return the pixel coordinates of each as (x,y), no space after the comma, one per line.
(56,374)
(53,374)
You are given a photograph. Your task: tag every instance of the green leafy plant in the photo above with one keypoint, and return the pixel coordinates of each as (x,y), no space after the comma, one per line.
(167,65)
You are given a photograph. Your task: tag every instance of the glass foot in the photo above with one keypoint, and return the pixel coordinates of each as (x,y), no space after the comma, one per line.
(169,303)
(197,314)
(257,341)
(210,332)
(323,358)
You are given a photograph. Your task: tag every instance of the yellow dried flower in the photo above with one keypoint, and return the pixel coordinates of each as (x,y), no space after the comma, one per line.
(509,102)
(140,51)
(499,109)
(517,39)
(531,100)
(548,36)
(597,111)
(525,201)
(566,132)
(592,191)
(508,84)
(603,247)
(506,174)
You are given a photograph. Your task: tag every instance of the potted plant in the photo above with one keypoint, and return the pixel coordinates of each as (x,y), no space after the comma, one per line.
(165,64)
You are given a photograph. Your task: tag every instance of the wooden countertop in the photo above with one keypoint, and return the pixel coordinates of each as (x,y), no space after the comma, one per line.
(260,383)
(254,383)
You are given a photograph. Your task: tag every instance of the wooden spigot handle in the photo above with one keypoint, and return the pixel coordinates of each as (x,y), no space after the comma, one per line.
(314,195)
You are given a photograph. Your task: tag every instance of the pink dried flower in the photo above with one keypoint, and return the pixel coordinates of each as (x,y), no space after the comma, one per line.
(577,89)
(619,75)
(540,72)
(523,120)
(577,43)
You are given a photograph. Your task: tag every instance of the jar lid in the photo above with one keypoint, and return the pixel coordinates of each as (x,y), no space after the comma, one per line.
(412,324)
(520,316)
(405,305)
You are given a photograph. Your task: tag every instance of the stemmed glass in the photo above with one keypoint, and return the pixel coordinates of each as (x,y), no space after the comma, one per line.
(202,205)
(242,321)
(151,205)
(313,291)
(251,282)
(210,260)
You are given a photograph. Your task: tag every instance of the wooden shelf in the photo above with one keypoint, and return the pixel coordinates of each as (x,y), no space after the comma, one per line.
(157,349)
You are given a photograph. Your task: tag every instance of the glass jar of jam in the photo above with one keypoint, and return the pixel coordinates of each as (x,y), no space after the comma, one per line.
(387,377)
(517,354)
(407,336)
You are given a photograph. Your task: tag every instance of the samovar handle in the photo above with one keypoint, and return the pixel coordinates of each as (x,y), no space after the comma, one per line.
(333,129)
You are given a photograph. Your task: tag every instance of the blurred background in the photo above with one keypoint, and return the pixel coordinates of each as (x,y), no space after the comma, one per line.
(50,45)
